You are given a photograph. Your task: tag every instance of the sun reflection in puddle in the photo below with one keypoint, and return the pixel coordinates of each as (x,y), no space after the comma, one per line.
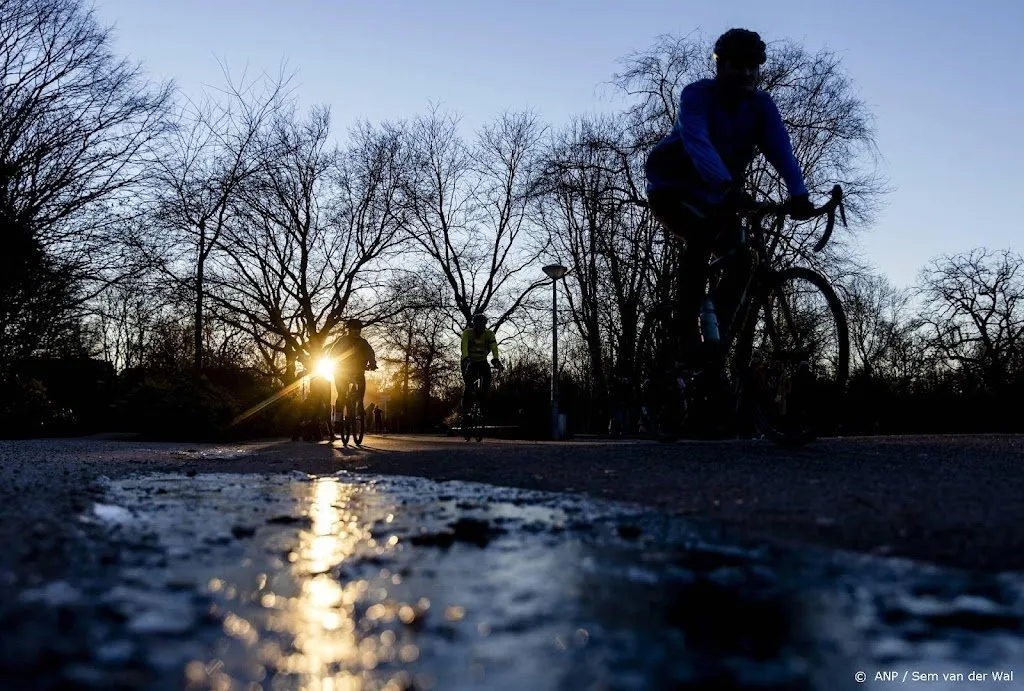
(315,636)
(322,618)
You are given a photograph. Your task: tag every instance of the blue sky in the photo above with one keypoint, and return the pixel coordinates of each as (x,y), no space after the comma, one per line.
(943,78)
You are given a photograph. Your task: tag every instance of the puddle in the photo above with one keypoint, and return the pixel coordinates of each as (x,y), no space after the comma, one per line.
(357,582)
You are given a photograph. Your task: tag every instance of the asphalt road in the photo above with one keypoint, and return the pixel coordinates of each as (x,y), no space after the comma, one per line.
(952,500)
(115,618)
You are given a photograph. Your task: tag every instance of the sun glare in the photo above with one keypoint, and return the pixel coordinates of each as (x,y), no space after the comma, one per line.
(324,368)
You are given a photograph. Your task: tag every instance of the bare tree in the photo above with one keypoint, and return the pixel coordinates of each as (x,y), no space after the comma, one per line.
(879,322)
(214,152)
(612,244)
(425,353)
(468,211)
(833,138)
(651,80)
(912,359)
(973,311)
(308,243)
(77,129)
(124,315)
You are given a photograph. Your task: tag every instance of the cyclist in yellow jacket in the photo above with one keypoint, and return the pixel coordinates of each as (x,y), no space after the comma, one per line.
(477,340)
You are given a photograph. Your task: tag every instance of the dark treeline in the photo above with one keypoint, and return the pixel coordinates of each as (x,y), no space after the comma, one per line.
(171,260)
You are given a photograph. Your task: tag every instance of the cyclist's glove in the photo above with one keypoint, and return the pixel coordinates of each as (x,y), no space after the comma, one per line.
(372,367)
(464,363)
(800,207)
(497,364)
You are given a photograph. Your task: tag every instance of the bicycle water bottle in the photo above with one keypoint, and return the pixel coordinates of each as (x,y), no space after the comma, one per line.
(709,321)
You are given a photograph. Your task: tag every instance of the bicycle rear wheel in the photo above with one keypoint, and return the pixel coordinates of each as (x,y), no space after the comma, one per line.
(793,357)
(345,423)
(346,431)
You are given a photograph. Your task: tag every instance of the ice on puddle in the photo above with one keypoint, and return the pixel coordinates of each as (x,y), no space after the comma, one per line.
(975,604)
(638,575)
(151,612)
(175,621)
(112,513)
(934,607)
(115,652)
(892,648)
(53,594)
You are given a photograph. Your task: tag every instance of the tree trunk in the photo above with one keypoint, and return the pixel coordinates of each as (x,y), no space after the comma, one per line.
(289,368)
(597,378)
(405,380)
(200,265)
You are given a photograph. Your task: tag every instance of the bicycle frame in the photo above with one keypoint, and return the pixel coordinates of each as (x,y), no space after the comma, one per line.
(474,392)
(473,387)
(472,413)
(749,291)
(350,400)
(751,240)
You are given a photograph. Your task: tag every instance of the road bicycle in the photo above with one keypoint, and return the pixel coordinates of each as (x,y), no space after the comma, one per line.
(775,352)
(351,422)
(472,423)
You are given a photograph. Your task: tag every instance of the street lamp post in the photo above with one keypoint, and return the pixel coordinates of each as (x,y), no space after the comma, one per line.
(554,272)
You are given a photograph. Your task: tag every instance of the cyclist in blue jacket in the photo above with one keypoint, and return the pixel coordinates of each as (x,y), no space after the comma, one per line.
(695,174)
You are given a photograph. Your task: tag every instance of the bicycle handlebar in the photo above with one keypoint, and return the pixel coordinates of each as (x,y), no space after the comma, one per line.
(835,202)
(829,207)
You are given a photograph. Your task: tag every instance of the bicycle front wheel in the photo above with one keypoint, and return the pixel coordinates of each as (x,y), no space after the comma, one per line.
(478,422)
(469,421)
(793,357)
(358,430)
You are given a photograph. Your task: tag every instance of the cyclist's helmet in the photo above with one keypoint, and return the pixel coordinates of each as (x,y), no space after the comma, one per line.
(354,325)
(741,46)
(480,320)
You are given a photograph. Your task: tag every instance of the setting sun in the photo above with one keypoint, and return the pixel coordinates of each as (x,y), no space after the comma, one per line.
(324,368)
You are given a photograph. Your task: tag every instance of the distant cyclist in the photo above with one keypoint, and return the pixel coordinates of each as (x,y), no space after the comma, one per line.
(353,355)
(695,175)
(477,341)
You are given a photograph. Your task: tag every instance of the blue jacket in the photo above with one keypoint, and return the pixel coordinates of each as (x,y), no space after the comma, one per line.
(713,142)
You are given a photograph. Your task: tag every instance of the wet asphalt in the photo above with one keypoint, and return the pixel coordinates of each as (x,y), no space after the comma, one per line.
(277,566)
